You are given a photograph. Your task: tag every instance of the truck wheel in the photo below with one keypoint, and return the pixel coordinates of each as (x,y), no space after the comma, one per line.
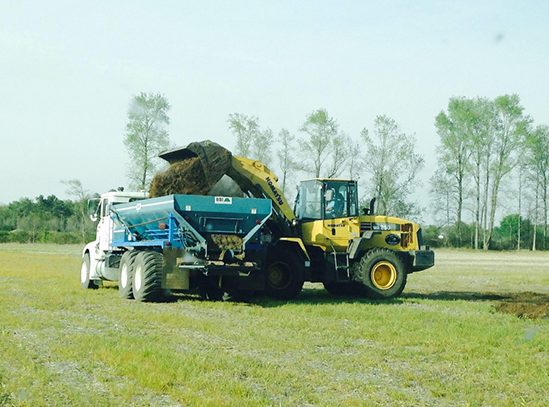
(284,275)
(125,282)
(147,276)
(382,272)
(85,274)
(352,288)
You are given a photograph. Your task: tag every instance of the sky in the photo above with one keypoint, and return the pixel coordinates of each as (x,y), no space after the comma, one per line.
(68,71)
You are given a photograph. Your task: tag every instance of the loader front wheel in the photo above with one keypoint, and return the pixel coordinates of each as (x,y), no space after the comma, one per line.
(125,282)
(284,275)
(85,273)
(147,276)
(382,272)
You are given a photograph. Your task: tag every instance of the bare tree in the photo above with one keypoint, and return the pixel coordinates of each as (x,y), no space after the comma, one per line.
(81,196)
(251,141)
(320,130)
(146,136)
(286,159)
(393,165)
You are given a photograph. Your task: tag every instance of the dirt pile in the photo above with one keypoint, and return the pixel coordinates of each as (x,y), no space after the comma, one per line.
(525,305)
(195,169)
(182,177)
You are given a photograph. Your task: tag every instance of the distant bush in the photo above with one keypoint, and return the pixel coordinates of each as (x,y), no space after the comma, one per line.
(44,236)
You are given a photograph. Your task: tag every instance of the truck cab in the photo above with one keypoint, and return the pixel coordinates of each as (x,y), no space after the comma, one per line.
(99,211)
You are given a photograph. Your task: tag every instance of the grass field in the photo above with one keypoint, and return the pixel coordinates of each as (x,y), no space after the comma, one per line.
(443,343)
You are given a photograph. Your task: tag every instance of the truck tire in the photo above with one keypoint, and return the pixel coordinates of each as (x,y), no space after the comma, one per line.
(125,281)
(147,276)
(352,288)
(85,274)
(382,272)
(284,274)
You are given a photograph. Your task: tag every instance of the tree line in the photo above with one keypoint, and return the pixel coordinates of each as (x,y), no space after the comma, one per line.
(492,162)
(48,219)
(491,157)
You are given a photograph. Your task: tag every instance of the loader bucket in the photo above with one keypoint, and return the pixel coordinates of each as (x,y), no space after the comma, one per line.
(195,169)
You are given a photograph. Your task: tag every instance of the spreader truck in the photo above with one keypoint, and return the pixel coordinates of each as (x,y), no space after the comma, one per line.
(239,235)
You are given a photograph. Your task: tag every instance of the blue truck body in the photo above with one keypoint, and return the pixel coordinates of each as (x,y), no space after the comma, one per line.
(191,222)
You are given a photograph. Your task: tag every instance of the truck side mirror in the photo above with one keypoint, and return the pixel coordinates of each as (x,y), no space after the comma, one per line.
(93,209)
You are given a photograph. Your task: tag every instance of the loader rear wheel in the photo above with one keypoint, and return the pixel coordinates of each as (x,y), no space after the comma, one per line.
(147,276)
(284,274)
(85,273)
(125,282)
(382,272)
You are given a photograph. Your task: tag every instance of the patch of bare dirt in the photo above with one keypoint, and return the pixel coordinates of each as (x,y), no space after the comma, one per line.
(525,305)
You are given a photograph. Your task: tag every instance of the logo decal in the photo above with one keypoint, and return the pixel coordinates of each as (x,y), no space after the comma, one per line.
(224,200)
(277,196)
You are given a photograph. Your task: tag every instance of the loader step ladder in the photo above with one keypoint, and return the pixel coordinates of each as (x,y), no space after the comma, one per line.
(341,265)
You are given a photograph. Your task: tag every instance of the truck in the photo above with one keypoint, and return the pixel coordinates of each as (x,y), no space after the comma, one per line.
(250,241)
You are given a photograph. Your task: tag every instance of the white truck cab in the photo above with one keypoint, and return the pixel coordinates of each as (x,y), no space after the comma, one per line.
(94,253)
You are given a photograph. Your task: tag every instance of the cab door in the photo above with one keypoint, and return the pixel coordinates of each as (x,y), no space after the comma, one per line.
(340,213)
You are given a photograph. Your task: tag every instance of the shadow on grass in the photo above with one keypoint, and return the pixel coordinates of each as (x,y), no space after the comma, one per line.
(456,295)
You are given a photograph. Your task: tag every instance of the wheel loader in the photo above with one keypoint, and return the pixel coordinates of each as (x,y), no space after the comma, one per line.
(325,237)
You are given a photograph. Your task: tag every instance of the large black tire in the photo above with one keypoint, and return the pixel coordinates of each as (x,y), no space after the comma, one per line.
(85,274)
(284,274)
(352,288)
(382,272)
(125,281)
(147,276)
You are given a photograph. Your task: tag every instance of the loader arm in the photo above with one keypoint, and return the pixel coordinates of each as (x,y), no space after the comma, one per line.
(255,177)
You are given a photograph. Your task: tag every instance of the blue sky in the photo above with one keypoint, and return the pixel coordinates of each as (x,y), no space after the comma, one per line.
(69,69)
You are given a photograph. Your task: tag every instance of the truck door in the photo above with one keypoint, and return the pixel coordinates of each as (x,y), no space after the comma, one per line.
(104,227)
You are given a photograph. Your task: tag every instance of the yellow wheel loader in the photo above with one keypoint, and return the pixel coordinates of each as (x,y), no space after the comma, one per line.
(323,239)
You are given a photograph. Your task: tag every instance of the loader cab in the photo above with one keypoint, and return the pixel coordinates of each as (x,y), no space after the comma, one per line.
(319,199)
(327,211)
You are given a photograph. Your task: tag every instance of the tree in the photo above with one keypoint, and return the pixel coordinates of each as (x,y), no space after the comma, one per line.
(251,141)
(510,125)
(480,145)
(286,160)
(146,136)
(537,160)
(341,151)
(81,196)
(444,200)
(393,165)
(320,130)
(454,130)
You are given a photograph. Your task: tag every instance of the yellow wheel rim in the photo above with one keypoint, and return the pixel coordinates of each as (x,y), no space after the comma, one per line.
(384,275)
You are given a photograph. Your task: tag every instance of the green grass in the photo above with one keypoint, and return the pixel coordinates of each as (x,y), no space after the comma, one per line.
(442,343)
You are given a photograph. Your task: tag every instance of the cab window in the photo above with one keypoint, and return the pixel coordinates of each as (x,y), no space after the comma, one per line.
(340,200)
(308,204)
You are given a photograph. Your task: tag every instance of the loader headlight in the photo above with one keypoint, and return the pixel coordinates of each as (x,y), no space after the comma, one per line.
(392,239)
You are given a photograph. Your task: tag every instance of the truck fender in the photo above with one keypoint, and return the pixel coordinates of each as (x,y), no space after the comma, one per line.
(90,249)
